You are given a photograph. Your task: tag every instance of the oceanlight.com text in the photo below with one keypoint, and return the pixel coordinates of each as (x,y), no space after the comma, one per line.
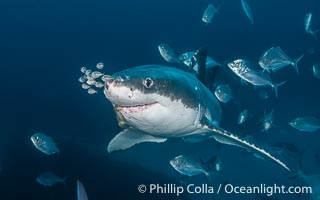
(269,190)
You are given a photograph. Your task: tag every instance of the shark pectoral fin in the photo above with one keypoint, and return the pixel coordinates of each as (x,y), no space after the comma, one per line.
(226,137)
(128,138)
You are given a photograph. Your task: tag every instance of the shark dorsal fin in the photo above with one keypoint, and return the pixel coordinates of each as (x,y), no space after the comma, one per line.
(200,58)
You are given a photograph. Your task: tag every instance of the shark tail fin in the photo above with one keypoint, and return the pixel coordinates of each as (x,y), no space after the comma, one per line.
(295,63)
(229,138)
(200,58)
(275,87)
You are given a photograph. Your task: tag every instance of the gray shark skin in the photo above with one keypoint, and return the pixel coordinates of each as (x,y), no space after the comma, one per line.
(155,102)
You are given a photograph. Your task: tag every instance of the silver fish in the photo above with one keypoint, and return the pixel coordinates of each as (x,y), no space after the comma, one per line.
(307,25)
(223,93)
(247,10)
(167,53)
(92,91)
(82,79)
(83,69)
(267,121)
(96,74)
(91,82)
(316,70)
(307,124)
(208,14)
(44,143)
(243,69)
(274,59)
(100,65)
(104,78)
(49,179)
(88,72)
(243,116)
(99,85)
(85,86)
(81,192)
(191,166)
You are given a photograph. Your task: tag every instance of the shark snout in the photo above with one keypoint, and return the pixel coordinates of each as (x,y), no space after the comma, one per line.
(108,80)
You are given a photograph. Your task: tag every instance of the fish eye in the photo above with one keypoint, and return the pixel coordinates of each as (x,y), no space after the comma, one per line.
(148,82)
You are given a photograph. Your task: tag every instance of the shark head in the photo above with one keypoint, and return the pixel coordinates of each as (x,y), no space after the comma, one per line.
(151,98)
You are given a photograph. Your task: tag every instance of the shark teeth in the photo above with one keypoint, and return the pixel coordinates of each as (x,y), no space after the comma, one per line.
(135,108)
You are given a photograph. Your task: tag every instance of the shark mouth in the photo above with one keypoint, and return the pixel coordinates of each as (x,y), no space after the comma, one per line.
(135,108)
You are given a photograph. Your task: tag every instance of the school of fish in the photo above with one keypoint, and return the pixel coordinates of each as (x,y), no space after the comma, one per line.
(257,73)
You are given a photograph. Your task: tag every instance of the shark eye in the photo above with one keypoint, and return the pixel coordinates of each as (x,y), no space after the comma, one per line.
(148,82)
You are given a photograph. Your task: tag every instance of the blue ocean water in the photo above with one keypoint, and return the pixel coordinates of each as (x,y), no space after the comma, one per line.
(43,45)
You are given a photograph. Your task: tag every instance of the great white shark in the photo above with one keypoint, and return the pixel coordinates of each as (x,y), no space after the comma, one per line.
(155,102)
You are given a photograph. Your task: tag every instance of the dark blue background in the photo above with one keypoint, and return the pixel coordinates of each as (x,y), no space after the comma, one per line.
(43,44)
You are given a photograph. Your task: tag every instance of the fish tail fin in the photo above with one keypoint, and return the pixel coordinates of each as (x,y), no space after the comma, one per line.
(295,63)
(314,34)
(229,138)
(275,87)
(265,70)
(264,130)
